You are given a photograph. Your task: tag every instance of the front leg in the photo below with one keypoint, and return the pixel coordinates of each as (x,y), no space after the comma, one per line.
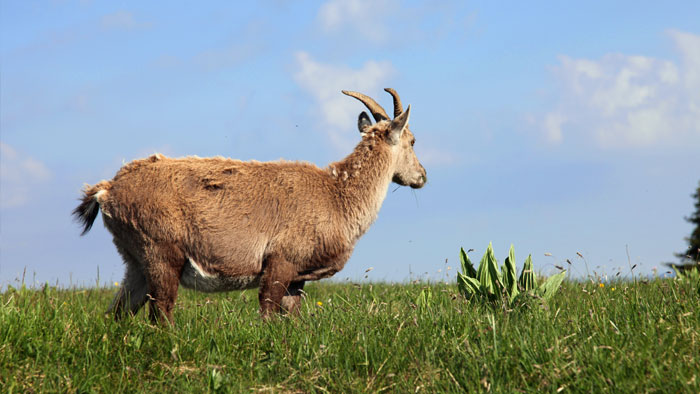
(292,298)
(274,284)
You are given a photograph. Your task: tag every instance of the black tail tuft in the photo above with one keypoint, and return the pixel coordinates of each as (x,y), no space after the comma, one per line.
(86,212)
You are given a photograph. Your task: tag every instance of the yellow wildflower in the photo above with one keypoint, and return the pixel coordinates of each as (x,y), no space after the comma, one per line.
(116,284)
(601,285)
(319,303)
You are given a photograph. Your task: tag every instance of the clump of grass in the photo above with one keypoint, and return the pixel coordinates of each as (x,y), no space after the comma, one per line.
(689,273)
(358,338)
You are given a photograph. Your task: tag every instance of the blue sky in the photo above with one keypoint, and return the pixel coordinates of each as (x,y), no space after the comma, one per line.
(559,128)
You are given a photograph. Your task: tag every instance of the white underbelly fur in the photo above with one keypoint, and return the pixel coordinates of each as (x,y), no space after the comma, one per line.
(194,277)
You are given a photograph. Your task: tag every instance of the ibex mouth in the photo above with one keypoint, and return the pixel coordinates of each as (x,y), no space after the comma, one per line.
(421,182)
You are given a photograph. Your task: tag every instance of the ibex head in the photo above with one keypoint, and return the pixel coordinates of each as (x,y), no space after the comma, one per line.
(407,170)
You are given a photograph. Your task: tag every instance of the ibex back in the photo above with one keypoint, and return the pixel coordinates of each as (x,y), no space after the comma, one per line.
(216,224)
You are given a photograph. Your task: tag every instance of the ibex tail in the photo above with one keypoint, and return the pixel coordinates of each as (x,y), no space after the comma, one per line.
(86,212)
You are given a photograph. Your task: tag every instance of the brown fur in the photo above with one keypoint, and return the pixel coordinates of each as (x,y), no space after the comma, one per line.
(231,224)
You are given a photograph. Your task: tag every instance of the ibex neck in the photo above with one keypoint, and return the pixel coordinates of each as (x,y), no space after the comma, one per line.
(362,179)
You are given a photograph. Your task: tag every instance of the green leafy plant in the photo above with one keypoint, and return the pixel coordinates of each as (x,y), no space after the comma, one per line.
(491,282)
(216,380)
(424,299)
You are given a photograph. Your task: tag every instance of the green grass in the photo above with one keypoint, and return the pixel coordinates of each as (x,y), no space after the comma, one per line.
(642,337)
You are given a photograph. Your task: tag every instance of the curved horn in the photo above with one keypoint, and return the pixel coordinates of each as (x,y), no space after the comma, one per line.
(398,109)
(377,111)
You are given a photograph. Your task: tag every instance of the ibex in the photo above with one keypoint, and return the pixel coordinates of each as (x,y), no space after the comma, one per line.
(217,224)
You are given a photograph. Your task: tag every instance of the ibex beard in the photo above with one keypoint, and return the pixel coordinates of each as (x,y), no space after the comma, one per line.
(217,224)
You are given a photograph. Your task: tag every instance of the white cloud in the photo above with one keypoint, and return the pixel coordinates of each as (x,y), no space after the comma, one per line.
(622,100)
(19,174)
(689,46)
(324,82)
(392,22)
(360,16)
(552,126)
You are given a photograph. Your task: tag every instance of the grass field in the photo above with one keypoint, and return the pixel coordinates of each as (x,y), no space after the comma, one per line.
(620,337)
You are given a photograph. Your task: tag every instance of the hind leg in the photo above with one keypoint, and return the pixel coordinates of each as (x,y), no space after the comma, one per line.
(292,298)
(274,284)
(133,291)
(165,262)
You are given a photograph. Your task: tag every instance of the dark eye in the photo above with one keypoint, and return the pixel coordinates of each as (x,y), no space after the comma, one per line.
(413,142)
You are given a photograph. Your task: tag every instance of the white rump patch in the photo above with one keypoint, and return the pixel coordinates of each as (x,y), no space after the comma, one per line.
(98,197)
(99,194)
(196,278)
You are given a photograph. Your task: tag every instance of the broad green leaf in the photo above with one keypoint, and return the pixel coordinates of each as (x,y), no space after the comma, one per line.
(551,285)
(528,280)
(467,266)
(462,285)
(481,268)
(474,285)
(469,287)
(484,275)
(494,270)
(510,275)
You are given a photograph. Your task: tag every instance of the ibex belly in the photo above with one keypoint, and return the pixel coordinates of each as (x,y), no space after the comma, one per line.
(194,277)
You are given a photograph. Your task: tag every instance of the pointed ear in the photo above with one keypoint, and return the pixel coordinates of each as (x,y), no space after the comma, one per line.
(398,125)
(363,122)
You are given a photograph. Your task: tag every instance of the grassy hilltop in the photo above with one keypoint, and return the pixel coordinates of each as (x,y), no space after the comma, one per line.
(616,337)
